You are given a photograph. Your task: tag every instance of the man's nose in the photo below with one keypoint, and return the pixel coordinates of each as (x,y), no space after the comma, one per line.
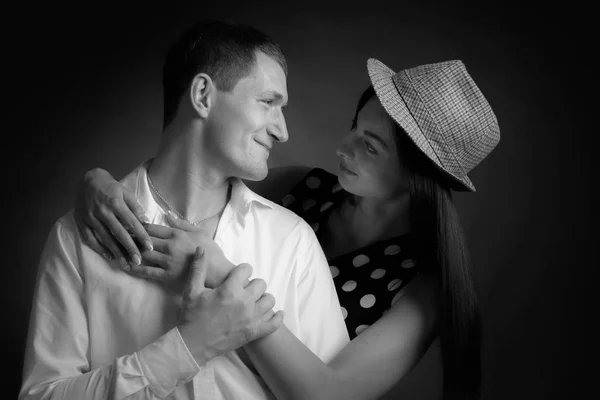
(278,129)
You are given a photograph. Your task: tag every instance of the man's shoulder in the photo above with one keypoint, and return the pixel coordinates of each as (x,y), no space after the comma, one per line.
(275,213)
(66,227)
(63,235)
(130,181)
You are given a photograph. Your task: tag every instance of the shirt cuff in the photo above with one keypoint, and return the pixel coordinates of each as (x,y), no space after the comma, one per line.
(167,363)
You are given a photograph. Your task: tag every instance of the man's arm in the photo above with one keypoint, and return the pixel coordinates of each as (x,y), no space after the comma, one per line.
(57,364)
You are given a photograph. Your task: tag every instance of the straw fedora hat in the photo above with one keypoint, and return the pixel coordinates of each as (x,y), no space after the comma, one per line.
(444,113)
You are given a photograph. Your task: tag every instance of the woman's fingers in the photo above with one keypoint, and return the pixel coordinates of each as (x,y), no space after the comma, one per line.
(134,216)
(159,231)
(156,258)
(148,272)
(161,245)
(90,238)
(104,237)
(122,236)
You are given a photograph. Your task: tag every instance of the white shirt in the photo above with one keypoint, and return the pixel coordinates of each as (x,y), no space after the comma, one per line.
(97,332)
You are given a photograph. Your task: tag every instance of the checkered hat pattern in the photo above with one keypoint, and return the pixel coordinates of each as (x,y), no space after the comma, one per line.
(444,113)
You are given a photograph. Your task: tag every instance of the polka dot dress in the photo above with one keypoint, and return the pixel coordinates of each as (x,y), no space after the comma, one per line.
(369,280)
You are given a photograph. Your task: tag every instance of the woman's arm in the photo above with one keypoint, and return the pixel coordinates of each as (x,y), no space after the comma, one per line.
(111,221)
(109,217)
(367,367)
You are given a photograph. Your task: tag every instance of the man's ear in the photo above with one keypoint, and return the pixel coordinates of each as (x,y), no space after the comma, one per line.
(202,91)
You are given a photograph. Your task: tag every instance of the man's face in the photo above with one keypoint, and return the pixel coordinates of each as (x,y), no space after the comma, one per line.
(243,124)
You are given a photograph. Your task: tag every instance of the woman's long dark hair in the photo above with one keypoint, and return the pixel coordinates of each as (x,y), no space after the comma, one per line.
(442,249)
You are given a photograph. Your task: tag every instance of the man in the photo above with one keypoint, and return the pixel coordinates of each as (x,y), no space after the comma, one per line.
(96,332)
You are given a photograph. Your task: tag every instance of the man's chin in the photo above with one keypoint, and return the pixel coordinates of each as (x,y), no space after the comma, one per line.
(255,174)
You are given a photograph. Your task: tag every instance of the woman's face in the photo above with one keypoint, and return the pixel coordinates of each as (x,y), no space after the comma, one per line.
(369,164)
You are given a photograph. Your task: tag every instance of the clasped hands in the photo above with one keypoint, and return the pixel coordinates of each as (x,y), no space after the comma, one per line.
(222,308)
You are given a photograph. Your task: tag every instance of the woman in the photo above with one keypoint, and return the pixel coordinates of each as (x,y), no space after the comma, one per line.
(388,227)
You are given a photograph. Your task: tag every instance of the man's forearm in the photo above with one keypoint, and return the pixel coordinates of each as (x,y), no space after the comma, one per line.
(150,373)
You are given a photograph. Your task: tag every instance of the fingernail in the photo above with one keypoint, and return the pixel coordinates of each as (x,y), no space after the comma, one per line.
(148,245)
(145,219)
(136,259)
(173,215)
(108,256)
(124,264)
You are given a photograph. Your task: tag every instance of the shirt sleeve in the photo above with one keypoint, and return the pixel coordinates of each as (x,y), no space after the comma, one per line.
(322,327)
(57,364)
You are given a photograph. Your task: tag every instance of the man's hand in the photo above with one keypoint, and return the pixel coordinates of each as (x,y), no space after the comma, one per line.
(215,321)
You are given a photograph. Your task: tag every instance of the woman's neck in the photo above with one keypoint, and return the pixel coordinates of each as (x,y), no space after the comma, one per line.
(372,219)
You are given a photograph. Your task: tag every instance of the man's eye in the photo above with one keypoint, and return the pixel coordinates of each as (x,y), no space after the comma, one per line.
(267,102)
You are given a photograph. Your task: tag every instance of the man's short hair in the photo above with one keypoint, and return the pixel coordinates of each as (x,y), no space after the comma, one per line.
(223,50)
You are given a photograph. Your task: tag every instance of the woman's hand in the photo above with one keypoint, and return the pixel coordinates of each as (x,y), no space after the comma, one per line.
(174,248)
(109,218)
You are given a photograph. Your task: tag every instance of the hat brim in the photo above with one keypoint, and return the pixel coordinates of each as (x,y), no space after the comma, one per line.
(382,79)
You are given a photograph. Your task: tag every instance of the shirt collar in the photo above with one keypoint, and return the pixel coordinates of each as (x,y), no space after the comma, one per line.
(241,202)
(242,198)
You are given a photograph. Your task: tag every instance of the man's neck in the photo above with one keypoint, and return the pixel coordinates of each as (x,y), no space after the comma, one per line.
(182,180)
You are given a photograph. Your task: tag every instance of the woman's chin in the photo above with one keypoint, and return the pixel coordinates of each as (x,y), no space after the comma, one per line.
(345,182)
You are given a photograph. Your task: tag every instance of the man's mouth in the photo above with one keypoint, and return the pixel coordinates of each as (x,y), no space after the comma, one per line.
(264,145)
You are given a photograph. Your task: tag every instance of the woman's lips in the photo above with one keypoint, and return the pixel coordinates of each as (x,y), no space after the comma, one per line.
(345,169)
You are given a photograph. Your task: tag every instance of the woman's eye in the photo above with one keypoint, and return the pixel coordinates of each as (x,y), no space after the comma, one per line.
(370,148)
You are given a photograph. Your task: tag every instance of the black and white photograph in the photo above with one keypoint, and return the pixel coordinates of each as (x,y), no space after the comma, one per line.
(236,200)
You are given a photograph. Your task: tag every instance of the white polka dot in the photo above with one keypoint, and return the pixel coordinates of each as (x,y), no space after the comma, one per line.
(336,188)
(367,301)
(378,273)
(349,286)
(313,182)
(334,271)
(344,312)
(326,206)
(397,297)
(395,284)
(287,200)
(360,329)
(315,226)
(391,250)
(308,204)
(407,263)
(360,260)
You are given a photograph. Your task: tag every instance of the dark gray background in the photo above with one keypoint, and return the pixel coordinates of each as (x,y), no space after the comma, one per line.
(88,93)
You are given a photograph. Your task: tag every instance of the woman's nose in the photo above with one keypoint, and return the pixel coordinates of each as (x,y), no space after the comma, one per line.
(345,150)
